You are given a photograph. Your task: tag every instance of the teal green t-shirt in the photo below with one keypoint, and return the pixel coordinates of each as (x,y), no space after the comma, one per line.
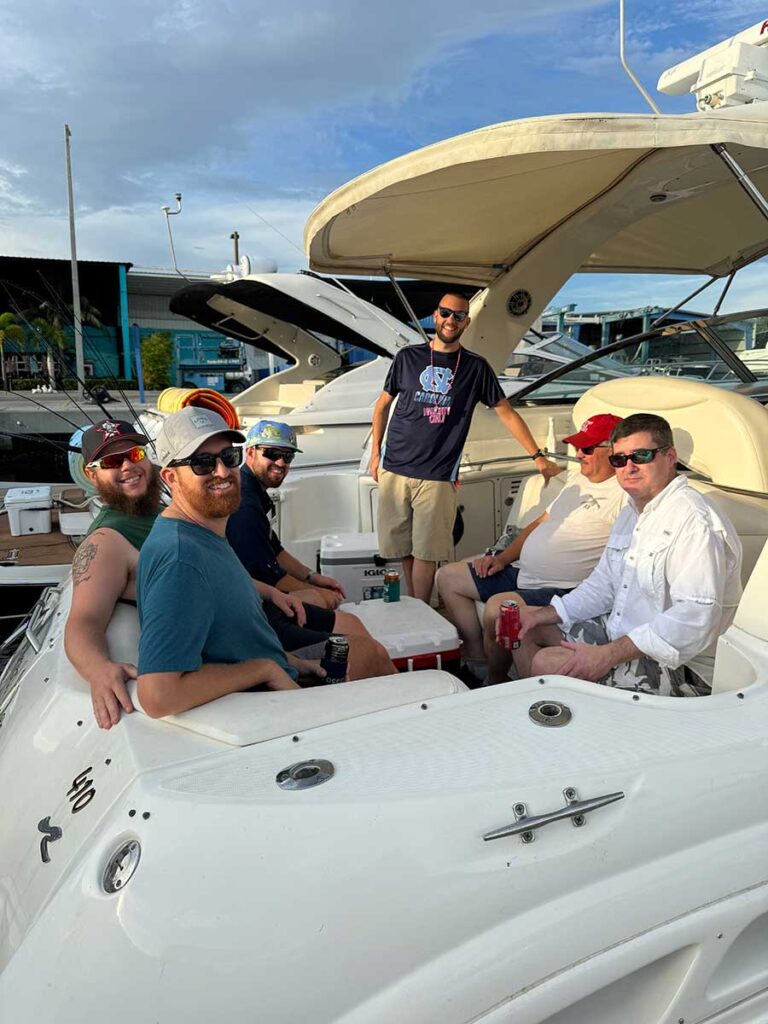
(197,604)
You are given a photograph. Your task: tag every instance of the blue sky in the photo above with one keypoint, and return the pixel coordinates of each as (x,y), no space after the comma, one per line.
(256,110)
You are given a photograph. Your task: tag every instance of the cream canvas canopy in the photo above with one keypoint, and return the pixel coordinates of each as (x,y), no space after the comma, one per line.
(470,208)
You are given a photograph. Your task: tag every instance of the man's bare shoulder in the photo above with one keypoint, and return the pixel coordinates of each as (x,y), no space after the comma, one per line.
(103,547)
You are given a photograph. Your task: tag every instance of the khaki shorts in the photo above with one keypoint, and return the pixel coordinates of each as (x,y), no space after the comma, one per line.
(416,517)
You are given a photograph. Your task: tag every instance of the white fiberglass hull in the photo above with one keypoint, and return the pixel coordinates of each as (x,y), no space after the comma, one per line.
(373,897)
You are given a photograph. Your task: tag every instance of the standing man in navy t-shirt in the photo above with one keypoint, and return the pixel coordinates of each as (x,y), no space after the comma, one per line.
(437,386)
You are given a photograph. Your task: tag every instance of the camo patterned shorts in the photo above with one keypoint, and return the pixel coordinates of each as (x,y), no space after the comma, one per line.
(643,674)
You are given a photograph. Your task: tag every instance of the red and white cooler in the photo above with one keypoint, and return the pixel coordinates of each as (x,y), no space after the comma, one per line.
(415,635)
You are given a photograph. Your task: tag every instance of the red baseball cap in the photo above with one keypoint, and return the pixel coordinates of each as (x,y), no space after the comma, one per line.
(595,430)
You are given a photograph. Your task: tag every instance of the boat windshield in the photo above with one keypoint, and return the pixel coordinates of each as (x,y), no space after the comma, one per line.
(536,355)
(728,351)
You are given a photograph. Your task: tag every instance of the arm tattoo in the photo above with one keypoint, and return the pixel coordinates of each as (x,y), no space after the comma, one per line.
(81,562)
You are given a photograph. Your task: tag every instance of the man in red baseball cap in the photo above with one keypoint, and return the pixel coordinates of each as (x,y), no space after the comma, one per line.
(548,557)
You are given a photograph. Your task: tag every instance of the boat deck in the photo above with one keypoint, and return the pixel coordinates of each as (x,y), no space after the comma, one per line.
(44,549)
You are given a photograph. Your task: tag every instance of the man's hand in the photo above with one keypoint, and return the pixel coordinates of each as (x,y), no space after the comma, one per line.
(109,693)
(488,565)
(587,661)
(290,605)
(305,667)
(278,678)
(373,467)
(328,583)
(531,617)
(547,467)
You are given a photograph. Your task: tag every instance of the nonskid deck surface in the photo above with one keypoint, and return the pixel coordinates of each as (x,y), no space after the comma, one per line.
(54,548)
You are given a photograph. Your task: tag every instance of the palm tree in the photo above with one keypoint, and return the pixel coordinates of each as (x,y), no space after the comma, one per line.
(10,332)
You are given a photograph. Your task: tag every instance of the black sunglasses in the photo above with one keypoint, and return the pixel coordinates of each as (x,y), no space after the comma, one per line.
(640,457)
(459,315)
(589,449)
(273,454)
(205,463)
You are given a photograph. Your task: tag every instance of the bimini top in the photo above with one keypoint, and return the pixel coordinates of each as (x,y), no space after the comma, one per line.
(469,208)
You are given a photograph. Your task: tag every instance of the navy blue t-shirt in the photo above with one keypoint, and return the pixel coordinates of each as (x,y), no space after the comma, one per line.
(430,423)
(197,604)
(249,531)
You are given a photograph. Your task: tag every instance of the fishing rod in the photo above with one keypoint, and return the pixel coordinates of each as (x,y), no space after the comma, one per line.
(63,359)
(23,317)
(41,439)
(53,412)
(62,308)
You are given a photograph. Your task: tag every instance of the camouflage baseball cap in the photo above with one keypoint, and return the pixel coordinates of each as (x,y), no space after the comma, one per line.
(271,433)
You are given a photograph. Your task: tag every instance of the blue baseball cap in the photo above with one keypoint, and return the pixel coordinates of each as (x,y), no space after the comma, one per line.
(271,433)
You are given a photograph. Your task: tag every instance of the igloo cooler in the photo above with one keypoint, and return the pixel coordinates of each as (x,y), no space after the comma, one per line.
(353,559)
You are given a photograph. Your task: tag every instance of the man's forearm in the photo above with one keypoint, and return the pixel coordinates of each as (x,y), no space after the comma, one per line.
(86,647)
(169,693)
(622,650)
(293,566)
(512,552)
(379,423)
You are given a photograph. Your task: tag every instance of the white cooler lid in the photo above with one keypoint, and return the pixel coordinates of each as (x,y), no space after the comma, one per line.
(348,546)
(406,627)
(28,497)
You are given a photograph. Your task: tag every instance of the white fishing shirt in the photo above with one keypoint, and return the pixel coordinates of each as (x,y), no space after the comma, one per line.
(669,579)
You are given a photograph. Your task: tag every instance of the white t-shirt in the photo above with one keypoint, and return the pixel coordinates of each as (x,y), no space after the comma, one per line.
(566,547)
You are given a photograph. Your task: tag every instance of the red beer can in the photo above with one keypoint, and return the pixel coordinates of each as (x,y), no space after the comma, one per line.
(509,625)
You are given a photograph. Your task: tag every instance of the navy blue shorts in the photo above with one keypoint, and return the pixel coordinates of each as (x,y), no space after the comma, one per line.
(506,580)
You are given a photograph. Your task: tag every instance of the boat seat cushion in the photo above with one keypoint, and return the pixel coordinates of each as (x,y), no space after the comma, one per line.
(244,718)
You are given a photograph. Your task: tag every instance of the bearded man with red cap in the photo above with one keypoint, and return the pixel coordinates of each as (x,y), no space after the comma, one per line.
(547,558)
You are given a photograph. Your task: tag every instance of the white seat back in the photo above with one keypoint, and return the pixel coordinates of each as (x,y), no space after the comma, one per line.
(533,497)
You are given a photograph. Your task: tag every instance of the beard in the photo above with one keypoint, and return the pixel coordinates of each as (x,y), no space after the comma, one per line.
(209,504)
(146,504)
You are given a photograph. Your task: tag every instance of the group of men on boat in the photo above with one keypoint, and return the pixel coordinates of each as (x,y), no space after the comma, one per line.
(627,579)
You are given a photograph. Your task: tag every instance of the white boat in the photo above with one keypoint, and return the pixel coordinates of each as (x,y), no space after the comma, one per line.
(301,318)
(543,852)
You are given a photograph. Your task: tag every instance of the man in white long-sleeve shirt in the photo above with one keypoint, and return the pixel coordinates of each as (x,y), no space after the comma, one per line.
(649,615)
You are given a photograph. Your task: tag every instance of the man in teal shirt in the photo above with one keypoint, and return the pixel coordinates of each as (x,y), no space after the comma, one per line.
(203,629)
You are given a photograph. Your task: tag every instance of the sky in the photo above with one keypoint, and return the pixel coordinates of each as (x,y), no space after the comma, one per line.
(256,111)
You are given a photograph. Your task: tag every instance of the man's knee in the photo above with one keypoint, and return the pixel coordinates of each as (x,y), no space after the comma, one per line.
(455,578)
(548,661)
(349,624)
(368,658)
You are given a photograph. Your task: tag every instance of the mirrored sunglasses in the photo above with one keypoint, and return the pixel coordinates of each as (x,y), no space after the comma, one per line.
(640,457)
(273,454)
(459,315)
(204,463)
(116,459)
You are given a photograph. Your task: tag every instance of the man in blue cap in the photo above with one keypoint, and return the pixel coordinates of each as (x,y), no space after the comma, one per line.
(270,447)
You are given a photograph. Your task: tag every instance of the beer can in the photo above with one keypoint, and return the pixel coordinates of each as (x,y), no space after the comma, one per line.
(391,585)
(509,625)
(335,659)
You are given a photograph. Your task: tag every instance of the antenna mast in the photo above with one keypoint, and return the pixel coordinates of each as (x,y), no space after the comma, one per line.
(79,363)
(626,66)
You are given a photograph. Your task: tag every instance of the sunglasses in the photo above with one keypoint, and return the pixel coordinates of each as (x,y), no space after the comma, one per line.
(640,457)
(273,454)
(589,449)
(459,315)
(205,463)
(116,459)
